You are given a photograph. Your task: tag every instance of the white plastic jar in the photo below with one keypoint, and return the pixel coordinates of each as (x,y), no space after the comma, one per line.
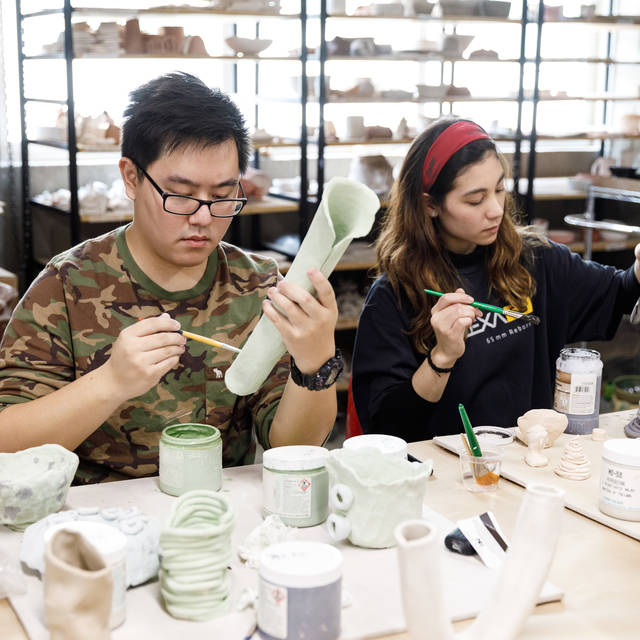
(620,479)
(390,446)
(577,389)
(111,544)
(295,484)
(300,591)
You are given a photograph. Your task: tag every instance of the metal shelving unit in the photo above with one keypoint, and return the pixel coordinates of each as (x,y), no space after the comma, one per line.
(73,217)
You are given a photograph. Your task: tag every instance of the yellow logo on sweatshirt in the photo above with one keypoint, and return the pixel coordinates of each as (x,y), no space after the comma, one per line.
(529,309)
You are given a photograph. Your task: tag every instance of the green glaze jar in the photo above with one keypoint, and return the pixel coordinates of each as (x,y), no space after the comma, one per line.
(295,484)
(190,458)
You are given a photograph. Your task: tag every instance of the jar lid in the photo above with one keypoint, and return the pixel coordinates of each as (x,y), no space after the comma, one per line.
(110,542)
(391,446)
(579,353)
(297,457)
(622,450)
(301,564)
(190,432)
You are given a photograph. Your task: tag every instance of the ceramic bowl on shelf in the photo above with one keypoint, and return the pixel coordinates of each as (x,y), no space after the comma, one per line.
(247,46)
(431,91)
(453,44)
(422,7)
(494,8)
(457,7)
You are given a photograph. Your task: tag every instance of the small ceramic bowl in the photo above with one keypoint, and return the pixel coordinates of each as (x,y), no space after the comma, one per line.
(247,46)
(453,44)
(34,483)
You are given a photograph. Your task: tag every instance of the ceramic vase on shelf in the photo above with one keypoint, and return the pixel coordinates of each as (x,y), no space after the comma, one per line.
(518,586)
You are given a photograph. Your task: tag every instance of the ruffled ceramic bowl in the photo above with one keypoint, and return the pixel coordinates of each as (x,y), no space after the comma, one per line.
(247,46)
(553,422)
(34,483)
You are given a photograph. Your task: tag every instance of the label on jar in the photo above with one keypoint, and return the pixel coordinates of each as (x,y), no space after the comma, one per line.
(287,495)
(575,393)
(620,487)
(273,609)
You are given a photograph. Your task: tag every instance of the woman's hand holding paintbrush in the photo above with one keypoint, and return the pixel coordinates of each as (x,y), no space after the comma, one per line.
(490,307)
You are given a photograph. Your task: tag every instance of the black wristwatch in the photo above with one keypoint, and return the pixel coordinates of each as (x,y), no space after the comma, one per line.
(323,378)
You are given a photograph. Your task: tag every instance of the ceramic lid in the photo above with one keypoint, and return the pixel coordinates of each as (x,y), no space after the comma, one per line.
(300,564)
(389,445)
(622,450)
(294,458)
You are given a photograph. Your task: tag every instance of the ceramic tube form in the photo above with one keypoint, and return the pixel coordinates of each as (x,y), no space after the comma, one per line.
(526,565)
(419,551)
(518,586)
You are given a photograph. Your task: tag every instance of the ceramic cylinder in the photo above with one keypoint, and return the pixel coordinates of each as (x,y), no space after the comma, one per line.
(577,389)
(300,591)
(111,544)
(190,458)
(295,484)
(620,479)
(355,127)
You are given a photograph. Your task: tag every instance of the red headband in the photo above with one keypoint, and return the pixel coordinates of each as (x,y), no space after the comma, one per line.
(452,139)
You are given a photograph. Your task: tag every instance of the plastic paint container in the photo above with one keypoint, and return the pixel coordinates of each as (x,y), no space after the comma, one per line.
(390,446)
(300,591)
(190,458)
(620,479)
(577,392)
(295,484)
(111,544)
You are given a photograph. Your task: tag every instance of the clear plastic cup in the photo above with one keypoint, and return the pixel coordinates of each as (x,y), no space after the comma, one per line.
(481,473)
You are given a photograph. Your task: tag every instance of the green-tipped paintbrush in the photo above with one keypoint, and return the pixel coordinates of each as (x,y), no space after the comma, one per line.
(490,307)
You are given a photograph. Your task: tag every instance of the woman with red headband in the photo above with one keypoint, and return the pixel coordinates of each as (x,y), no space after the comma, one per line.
(450,228)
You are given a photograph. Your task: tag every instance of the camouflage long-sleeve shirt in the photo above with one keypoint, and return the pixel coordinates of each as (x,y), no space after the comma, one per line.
(69,318)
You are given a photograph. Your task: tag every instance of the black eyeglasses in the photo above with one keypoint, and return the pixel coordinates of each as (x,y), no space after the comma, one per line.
(187,205)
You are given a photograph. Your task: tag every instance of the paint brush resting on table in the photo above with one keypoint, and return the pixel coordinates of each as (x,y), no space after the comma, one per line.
(483,475)
(490,307)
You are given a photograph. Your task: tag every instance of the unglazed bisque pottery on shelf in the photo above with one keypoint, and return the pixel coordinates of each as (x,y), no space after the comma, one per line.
(518,585)
(34,483)
(372,494)
(141,532)
(553,422)
(247,46)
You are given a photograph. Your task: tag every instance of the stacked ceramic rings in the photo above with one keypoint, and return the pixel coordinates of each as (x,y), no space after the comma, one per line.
(196,553)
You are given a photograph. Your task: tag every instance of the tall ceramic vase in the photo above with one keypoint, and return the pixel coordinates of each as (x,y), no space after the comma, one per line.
(521,578)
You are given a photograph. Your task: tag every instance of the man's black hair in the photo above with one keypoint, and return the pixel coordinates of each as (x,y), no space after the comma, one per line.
(178,110)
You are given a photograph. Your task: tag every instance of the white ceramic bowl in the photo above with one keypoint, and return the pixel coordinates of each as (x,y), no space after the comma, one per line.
(453,44)
(247,46)
(34,483)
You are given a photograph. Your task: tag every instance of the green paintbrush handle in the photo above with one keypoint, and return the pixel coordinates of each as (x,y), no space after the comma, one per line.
(479,305)
(471,436)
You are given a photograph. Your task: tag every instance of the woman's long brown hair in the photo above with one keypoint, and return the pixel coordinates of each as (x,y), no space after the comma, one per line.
(411,250)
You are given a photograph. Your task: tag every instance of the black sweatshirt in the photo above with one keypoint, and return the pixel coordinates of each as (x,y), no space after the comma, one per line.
(508,366)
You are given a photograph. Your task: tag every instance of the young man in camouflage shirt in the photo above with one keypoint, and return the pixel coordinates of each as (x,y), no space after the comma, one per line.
(78,368)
